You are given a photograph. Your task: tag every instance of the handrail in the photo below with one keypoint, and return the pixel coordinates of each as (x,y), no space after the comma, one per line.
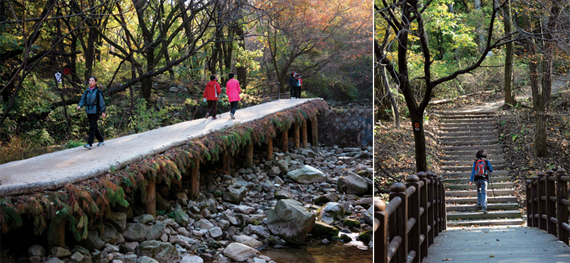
(408,224)
(547,203)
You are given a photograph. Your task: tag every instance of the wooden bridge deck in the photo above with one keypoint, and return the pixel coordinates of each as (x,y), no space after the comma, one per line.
(54,170)
(497,244)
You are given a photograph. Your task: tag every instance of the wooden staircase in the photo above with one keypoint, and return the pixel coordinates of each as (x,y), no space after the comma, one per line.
(461,135)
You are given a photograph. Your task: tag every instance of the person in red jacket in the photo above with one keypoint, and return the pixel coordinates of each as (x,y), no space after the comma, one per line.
(211,94)
(233,90)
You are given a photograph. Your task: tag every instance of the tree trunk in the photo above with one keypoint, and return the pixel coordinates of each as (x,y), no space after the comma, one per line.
(509,57)
(241,71)
(480,35)
(419,141)
(89,54)
(539,144)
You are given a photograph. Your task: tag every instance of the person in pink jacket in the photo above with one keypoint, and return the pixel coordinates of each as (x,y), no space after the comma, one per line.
(233,90)
(211,94)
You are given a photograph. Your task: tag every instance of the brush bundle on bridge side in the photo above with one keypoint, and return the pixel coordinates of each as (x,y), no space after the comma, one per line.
(407,226)
(548,202)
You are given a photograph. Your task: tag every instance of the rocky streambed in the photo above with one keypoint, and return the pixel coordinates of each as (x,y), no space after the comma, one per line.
(308,205)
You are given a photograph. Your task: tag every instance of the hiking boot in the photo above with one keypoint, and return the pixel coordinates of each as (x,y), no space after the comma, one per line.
(101,143)
(87,146)
(213,117)
(232,115)
(484,211)
(479,207)
(207,115)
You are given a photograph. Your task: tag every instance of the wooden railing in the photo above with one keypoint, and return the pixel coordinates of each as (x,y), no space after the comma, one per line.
(408,224)
(547,203)
(270,92)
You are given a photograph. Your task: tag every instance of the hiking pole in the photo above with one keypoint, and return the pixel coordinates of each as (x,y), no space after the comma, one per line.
(492,187)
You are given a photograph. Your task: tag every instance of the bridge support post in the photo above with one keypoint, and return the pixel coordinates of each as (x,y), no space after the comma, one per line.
(562,211)
(304,139)
(399,222)
(226,162)
(550,210)
(269,149)
(195,179)
(285,140)
(296,135)
(315,131)
(541,203)
(249,155)
(150,204)
(414,204)
(381,231)
(424,215)
(56,238)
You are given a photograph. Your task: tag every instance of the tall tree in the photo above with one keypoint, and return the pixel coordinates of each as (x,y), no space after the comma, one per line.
(509,56)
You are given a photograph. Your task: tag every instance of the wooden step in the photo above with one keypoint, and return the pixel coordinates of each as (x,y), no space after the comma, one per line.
(470,163)
(465,180)
(473,192)
(490,222)
(468,174)
(473,200)
(474,133)
(481,215)
(466,186)
(470,167)
(490,207)
(468,142)
(450,149)
(467,125)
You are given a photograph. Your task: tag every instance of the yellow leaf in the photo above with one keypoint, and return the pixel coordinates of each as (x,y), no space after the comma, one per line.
(491,256)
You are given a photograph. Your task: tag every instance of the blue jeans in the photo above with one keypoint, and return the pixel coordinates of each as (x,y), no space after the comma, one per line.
(234,105)
(482,193)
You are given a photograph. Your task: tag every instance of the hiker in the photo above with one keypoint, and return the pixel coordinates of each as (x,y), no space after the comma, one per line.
(94,104)
(480,174)
(299,86)
(292,84)
(211,94)
(233,90)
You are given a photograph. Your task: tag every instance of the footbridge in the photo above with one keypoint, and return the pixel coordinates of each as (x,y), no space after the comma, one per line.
(74,185)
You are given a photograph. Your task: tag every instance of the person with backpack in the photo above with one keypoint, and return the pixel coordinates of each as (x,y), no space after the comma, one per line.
(293,84)
(233,90)
(480,174)
(94,104)
(299,86)
(211,94)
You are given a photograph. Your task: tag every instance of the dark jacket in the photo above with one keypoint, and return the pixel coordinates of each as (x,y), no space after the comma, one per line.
(89,100)
(293,82)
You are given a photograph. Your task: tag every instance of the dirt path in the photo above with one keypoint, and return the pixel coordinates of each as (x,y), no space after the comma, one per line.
(54,170)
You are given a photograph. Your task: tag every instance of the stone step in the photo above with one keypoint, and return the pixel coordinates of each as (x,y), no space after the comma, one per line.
(489,222)
(465,180)
(469,129)
(473,148)
(458,121)
(490,157)
(481,215)
(468,174)
(470,167)
(490,207)
(468,138)
(467,142)
(470,163)
(477,113)
(466,186)
(473,200)
(473,192)
(464,125)
(470,155)
(474,133)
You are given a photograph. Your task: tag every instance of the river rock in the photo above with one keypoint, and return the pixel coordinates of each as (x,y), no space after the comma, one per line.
(351,222)
(247,240)
(330,197)
(54,260)
(162,204)
(330,212)
(352,183)
(119,220)
(143,219)
(215,232)
(135,232)
(59,252)
(321,229)
(240,252)
(307,175)
(192,259)
(244,209)
(93,241)
(109,234)
(36,250)
(132,258)
(145,259)
(258,230)
(282,194)
(290,220)
(368,217)
(77,257)
(155,231)
(204,224)
(180,216)
(365,236)
(161,251)
(235,193)
(283,167)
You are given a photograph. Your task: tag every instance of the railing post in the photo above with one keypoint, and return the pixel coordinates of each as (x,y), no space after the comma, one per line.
(424,214)
(430,208)
(529,208)
(443,215)
(381,232)
(535,197)
(562,211)
(437,199)
(541,202)
(414,212)
(550,210)
(398,224)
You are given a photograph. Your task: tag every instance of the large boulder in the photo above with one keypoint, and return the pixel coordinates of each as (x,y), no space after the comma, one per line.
(330,212)
(240,252)
(155,231)
(119,220)
(145,259)
(235,193)
(93,241)
(192,259)
(321,229)
(290,220)
(161,251)
(109,234)
(307,175)
(352,183)
(135,232)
